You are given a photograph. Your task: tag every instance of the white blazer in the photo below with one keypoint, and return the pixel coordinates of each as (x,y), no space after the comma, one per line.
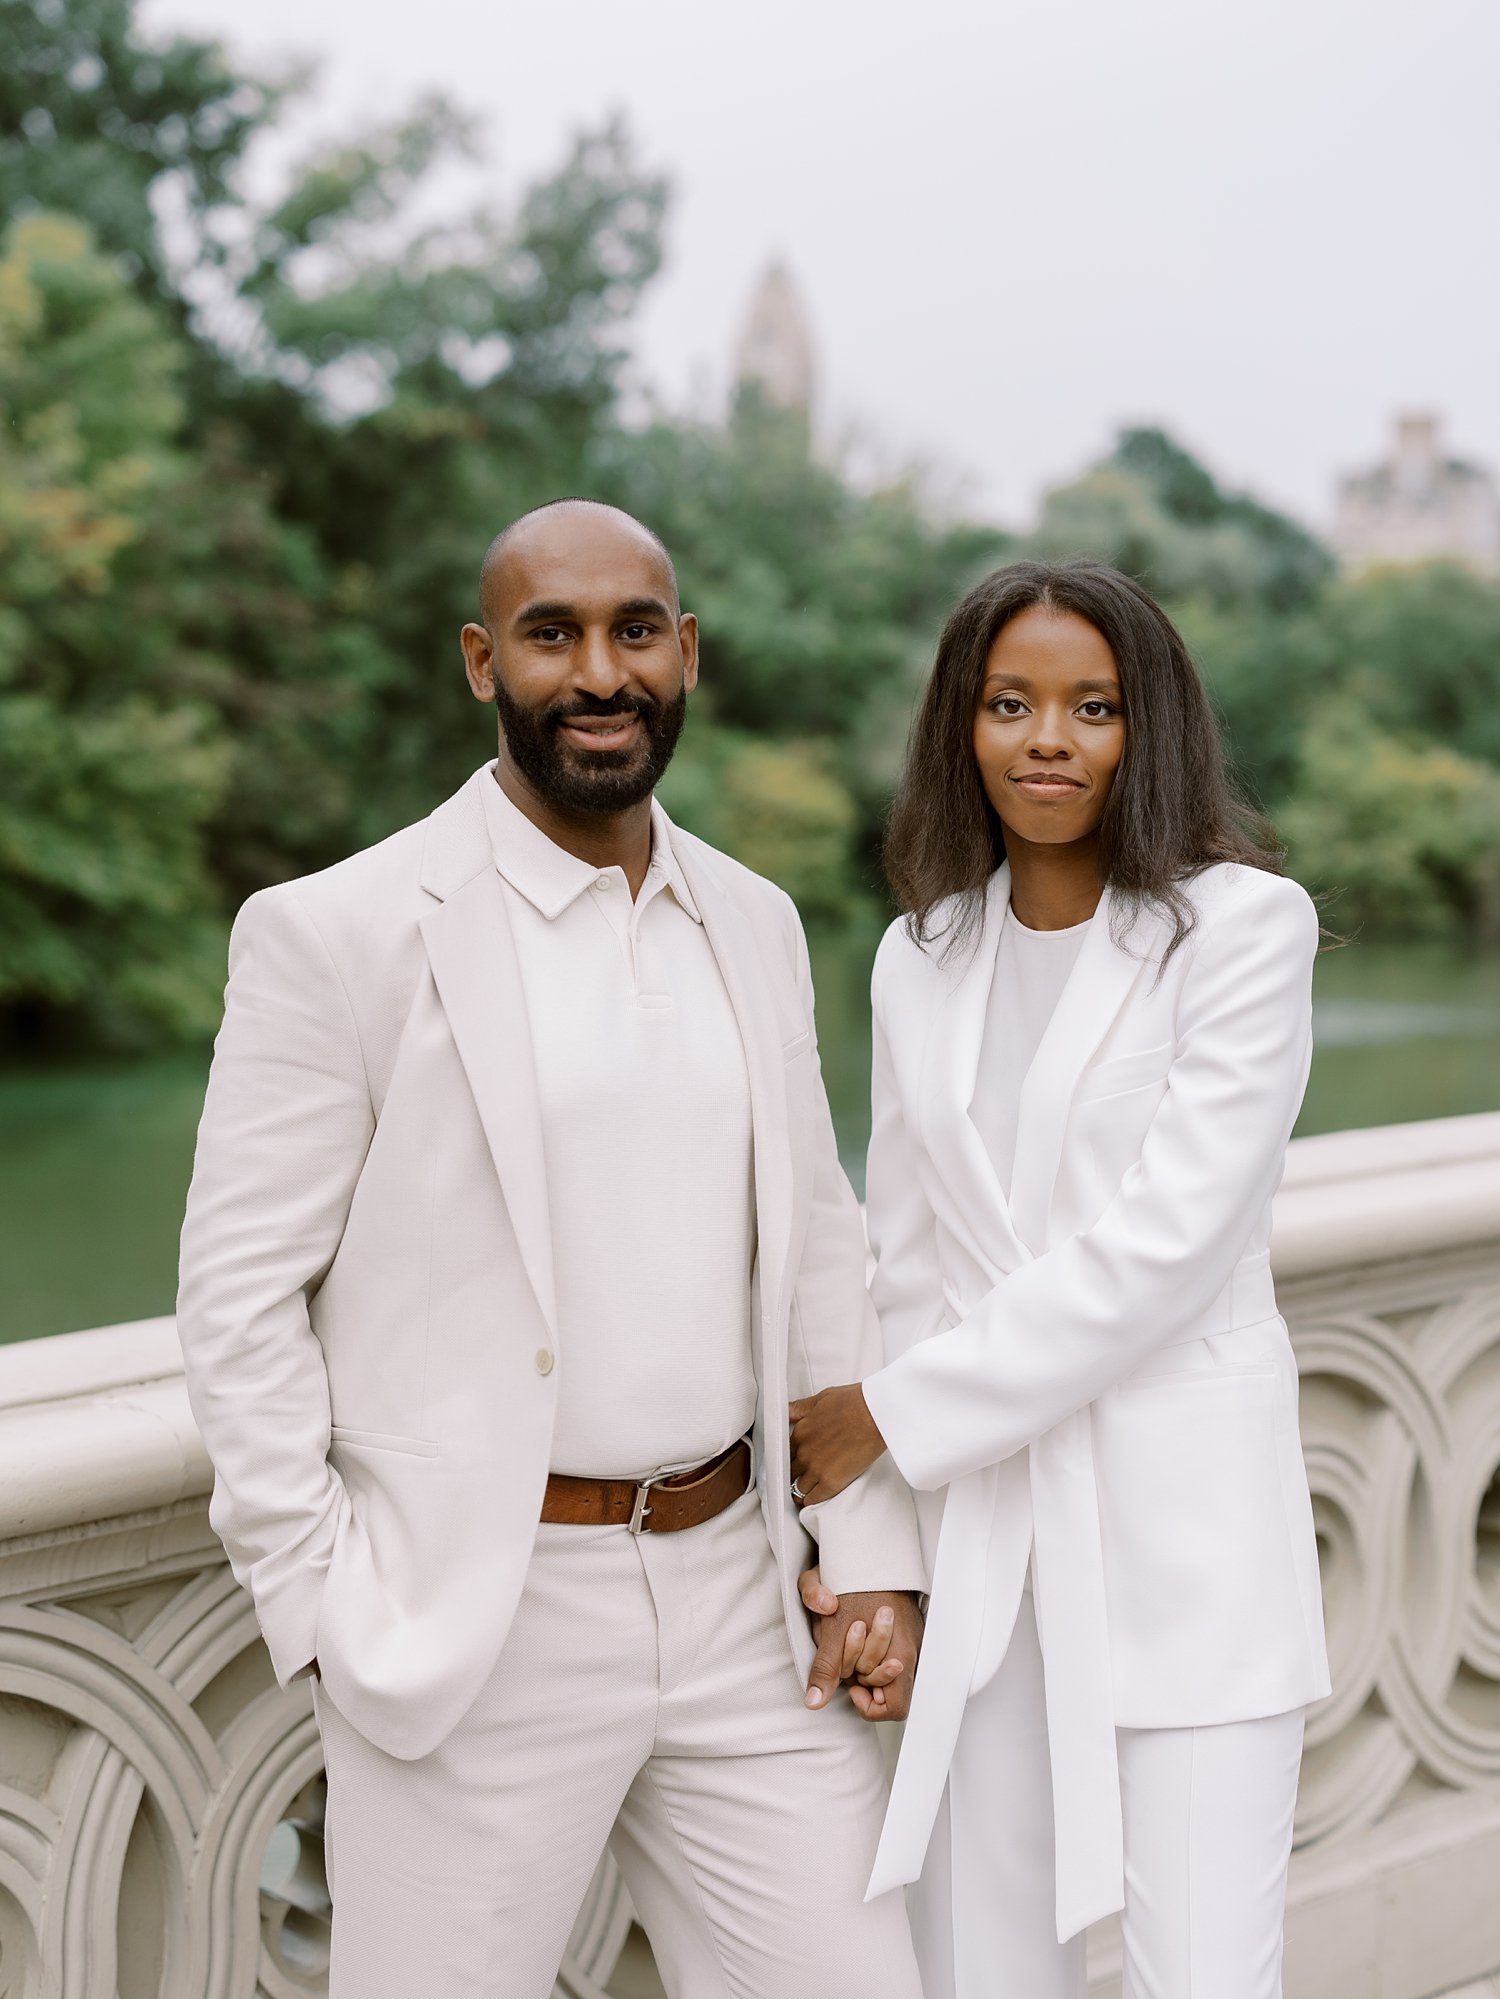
(1091,1378)
(366,1305)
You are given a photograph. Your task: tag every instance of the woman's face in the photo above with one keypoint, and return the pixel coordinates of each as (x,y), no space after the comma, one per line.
(1049,730)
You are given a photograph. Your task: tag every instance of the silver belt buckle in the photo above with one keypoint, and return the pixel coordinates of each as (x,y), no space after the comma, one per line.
(639,1511)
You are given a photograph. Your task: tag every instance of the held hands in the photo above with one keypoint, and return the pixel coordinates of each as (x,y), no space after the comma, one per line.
(870,1639)
(834,1442)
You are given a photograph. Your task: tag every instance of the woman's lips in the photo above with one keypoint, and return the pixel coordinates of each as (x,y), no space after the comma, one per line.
(1047,787)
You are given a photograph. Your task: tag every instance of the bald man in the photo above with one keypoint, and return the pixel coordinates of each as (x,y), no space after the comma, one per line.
(516,1220)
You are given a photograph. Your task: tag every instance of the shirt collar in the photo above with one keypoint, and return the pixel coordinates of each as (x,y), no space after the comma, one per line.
(551,878)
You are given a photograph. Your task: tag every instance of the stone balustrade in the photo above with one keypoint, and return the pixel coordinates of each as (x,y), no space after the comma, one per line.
(161,1800)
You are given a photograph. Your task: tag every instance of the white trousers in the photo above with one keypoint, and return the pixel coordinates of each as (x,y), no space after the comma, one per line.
(646,1697)
(1208,1835)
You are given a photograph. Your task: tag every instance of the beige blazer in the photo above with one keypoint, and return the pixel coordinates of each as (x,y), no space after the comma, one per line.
(1090,1377)
(366,1305)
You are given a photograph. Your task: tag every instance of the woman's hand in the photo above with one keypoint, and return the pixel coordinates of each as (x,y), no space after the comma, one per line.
(834,1442)
(870,1641)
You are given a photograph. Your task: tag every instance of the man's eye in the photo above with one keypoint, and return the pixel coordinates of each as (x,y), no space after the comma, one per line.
(547,633)
(636,632)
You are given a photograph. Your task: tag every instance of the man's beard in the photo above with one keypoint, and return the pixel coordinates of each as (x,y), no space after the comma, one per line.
(604,781)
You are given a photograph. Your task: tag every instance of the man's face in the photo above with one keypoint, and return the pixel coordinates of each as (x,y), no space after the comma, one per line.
(587,659)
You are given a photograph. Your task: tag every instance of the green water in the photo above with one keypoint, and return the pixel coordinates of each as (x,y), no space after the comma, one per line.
(95,1157)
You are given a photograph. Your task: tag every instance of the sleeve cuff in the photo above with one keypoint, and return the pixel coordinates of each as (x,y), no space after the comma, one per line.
(867,1535)
(884,1400)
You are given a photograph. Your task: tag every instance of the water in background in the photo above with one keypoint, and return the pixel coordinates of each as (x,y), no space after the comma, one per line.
(95,1157)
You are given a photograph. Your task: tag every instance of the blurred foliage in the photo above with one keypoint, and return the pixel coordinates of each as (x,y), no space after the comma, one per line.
(776,806)
(1363,713)
(106,903)
(1154,512)
(1399,832)
(252,450)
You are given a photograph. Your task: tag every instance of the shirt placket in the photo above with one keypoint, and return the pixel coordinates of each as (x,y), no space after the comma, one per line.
(624,915)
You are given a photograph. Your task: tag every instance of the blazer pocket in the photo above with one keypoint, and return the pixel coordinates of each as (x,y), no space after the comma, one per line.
(798,1045)
(381,1440)
(1125,1072)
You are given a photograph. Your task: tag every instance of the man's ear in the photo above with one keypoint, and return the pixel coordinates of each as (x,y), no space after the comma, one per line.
(687,635)
(479,661)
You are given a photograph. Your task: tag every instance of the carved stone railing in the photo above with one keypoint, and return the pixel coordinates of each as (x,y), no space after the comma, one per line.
(161,1800)
(1387,1259)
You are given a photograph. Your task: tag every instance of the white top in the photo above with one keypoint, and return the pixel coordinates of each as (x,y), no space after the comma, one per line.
(645,1101)
(1031,969)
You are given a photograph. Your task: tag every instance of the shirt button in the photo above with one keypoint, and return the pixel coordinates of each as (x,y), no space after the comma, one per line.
(545,1361)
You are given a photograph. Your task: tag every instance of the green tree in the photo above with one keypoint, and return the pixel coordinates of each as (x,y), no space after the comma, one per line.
(1152,510)
(107,911)
(491,355)
(776,806)
(94,120)
(1402,834)
(1423,645)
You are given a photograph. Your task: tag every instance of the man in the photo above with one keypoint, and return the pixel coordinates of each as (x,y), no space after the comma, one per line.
(516,1207)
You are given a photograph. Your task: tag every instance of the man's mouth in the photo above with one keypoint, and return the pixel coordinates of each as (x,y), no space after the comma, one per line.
(592,733)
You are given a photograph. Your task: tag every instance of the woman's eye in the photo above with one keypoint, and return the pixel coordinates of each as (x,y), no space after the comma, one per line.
(1008,704)
(1098,711)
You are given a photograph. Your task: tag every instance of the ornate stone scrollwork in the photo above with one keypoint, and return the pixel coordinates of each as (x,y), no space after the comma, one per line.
(161,1802)
(1401,1432)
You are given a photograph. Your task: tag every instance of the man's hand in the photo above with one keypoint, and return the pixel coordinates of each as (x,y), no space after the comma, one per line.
(869,1638)
(834,1442)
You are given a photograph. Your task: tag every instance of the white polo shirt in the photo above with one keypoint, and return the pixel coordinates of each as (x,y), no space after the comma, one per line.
(645,1106)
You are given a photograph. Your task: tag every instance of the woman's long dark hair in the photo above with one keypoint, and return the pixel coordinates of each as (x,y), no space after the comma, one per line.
(1173,808)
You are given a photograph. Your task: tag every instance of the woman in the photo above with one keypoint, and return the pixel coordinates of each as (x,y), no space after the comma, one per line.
(1092,1032)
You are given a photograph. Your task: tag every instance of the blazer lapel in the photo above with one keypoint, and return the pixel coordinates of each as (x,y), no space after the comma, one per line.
(472,953)
(955,1033)
(1096,990)
(779,1168)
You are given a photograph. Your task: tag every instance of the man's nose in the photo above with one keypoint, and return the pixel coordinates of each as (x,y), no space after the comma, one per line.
(597,667)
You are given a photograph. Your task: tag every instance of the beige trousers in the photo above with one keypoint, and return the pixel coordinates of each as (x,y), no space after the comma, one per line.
(645,1698)
(1208,1835)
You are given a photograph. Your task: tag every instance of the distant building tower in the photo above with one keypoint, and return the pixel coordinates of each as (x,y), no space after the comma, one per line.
(775,350)
(1419,506)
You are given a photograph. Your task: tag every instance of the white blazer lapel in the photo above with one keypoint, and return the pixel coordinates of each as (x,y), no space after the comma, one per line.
(732,934)
(1097,988)
(950,1066)
(472,953)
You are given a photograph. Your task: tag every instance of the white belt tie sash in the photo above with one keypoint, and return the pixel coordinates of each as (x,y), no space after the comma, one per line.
(1073,1626)
(1068,1572)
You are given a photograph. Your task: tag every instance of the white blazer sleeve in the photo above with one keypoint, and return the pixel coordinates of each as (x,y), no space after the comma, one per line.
(1068,1325)
(286,1125)
(906,1288)
(867,1534)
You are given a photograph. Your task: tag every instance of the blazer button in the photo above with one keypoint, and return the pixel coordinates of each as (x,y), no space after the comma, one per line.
(544,1360)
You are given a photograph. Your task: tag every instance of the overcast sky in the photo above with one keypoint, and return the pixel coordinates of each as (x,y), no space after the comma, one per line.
(1266,226)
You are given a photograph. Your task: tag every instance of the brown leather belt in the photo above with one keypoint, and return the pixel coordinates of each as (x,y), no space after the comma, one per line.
(655,1505)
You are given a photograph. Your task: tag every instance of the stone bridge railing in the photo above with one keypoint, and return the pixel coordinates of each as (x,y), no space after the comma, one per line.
(161,1803)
